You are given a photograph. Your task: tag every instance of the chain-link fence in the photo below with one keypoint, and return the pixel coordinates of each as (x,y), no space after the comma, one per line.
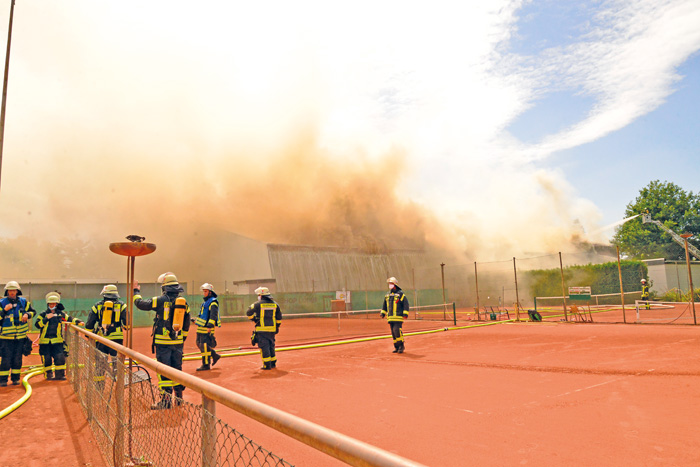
(117,401)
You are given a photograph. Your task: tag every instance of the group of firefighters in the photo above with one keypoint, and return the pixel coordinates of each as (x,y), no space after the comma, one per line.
(171,324)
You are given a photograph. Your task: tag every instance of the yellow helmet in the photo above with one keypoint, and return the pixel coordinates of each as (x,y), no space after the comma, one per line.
(392,280)
(161,278)
(262,291)
(110,289)
(53,297)
(170,279)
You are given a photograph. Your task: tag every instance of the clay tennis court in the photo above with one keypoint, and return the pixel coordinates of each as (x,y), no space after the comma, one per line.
(506,394)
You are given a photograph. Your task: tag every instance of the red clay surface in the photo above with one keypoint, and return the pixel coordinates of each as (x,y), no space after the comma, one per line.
(507,394)
(50,428)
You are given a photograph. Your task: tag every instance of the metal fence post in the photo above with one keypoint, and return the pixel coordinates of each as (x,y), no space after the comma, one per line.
(121,423)
(209,458)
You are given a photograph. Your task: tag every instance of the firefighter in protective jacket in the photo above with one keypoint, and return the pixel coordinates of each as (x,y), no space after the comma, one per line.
(107,318)
(645,293)
(51,344)
(395,308)
(170,327)
(15,312)
(207,322)
(267,316)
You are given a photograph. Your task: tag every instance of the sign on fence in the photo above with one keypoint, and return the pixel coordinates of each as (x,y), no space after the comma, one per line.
(580,293)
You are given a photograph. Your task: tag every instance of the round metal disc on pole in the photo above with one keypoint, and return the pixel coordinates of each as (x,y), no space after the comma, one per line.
(132,248)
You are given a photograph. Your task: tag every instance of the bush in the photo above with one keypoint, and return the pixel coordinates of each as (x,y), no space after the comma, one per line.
(602,278)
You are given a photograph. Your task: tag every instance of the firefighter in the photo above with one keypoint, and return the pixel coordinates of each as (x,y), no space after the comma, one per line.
(51,343)
(645,293)
(395,308)
(15,312)
(170,327)
(206,322)
(107,318)
(267,316)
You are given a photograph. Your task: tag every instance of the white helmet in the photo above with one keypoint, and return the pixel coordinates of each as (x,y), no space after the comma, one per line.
(53,297)
(262,291)
(110,289)
(13,285)
(643,281)
(392,280)
(206,286)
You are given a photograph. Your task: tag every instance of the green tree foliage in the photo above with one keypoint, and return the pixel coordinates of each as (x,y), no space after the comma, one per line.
(667,203)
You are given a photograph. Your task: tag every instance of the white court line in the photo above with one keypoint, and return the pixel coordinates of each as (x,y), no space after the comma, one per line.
(602,384)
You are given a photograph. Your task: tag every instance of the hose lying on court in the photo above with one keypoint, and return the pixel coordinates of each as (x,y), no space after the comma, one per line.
(352,341)
(27,393)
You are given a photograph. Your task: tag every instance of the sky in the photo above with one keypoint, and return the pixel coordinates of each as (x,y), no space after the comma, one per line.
(495,128)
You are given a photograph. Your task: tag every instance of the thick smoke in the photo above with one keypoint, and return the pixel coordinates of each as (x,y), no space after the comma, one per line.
(211,120)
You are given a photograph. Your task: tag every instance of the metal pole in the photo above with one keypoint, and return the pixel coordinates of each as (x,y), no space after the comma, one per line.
(415,292)
(690,277)
(209,458)
(478,305)
(444,307)
(622,292)
(563,288)
(4,84)
(130,313)
(517,296)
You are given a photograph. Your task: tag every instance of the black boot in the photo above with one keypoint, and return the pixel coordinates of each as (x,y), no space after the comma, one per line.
(49,374)
(15,382)
(163,403)
(214,358)
(204,367)
(401,348)
(266,366)
(273,364)
(60,375)
(3,384)
(178,396)
(396,348)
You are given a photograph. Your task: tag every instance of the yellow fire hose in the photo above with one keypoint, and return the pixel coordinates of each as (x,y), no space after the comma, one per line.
(350,341)
(27,393)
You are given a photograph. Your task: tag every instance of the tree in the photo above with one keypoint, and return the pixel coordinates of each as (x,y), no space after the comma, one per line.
(668,203)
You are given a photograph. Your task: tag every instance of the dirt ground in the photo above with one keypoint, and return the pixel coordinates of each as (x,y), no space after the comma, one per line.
(508,394)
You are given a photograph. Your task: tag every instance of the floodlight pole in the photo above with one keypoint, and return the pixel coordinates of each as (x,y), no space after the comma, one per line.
(4,84)
(622,290)
(690,276)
